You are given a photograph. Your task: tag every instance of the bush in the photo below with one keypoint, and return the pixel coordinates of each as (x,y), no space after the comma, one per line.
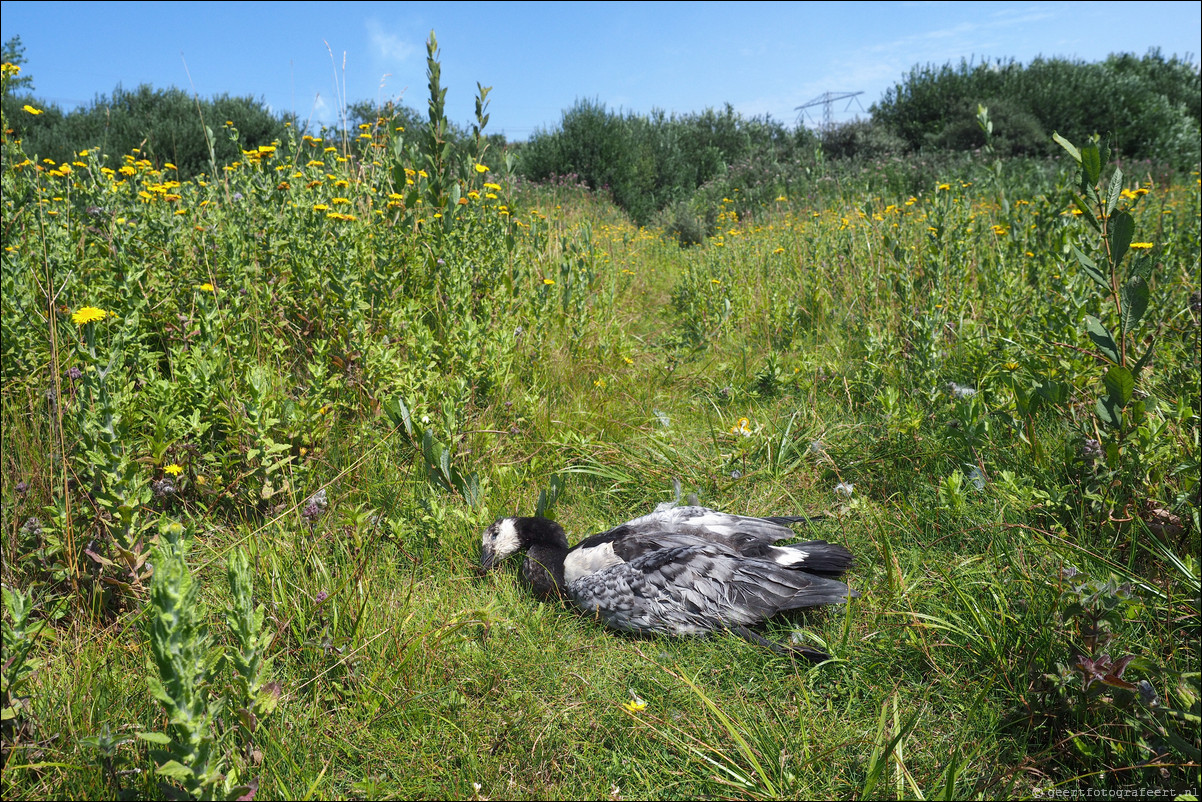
(863,138)
(165,125)
(1148,105)
(650,162)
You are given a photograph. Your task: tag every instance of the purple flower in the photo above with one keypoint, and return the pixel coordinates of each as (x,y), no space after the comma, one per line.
(316,505)
(322,596)
(74,373)
(1105,671)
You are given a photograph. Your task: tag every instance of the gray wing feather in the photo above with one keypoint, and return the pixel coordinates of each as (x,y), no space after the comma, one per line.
(698,588)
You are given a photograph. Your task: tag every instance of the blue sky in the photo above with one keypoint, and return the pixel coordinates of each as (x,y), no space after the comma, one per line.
(762,58)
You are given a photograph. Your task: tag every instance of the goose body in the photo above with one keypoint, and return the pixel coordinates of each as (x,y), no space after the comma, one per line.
(677,571)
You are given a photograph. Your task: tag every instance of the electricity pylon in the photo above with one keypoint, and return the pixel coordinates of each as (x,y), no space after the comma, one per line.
(826,100)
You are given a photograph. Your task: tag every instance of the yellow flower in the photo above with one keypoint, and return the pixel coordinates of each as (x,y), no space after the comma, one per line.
(741,428)
(548,281)
(481,168)
(1143,246)
(635,705)
(32,110)
(943,187)
(173,469)
(88,314)
(206,287)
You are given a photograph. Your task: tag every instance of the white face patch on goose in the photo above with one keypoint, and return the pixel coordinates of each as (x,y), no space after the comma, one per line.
(502,538)
(582,562)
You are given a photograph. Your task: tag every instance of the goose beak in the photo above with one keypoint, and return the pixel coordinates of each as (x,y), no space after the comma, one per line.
(488,558)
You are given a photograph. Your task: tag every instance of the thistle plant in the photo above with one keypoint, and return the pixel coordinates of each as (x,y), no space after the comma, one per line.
(185,672)
(254,698)
(19,635)
(196,746)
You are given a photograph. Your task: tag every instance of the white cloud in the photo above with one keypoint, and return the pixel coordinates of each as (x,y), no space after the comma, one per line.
(386,46)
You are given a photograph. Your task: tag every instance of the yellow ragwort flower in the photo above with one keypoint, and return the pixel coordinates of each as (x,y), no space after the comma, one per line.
(88,314)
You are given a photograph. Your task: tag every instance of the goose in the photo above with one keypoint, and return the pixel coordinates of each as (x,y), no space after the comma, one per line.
(680,570)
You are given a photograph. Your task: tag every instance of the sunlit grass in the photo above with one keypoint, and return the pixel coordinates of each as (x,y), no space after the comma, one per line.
(846,352)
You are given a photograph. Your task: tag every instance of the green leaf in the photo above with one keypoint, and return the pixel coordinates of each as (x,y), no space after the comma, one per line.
(1143,361)
(1109,413)
(1122,229)
(1141,266)
(153,737)
(1091,269)
(1069,146)
(1086,213)
(1115,191)
(174,770)
(1135,302)
(1102,338)
(1091,165)
(1120,384)
(398,413)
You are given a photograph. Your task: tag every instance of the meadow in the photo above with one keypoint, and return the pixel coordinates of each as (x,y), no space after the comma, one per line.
(255,422)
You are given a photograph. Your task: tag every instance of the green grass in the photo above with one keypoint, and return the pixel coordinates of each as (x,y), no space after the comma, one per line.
(834,323)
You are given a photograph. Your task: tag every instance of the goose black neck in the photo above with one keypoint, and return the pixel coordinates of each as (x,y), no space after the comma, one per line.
(546,549)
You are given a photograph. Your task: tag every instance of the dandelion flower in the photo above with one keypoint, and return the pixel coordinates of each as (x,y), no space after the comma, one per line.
(32,110)
(173,469)
(481,168)
(206,287)
(88,314)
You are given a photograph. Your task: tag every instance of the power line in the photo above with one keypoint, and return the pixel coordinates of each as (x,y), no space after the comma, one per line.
(827,100)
